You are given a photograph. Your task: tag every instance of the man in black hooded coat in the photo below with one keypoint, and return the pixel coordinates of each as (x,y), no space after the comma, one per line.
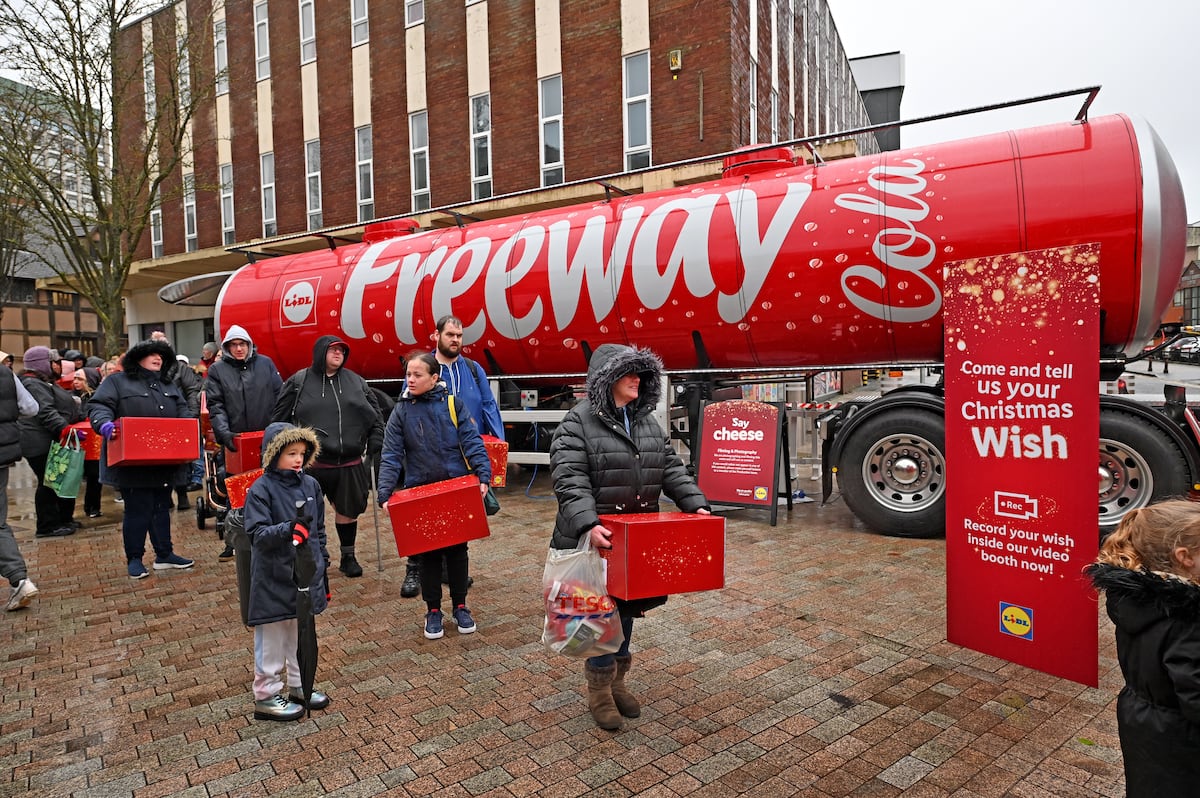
(341,408)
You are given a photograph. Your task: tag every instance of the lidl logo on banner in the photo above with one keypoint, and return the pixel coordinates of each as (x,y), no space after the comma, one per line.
(1016,621)
(760,493)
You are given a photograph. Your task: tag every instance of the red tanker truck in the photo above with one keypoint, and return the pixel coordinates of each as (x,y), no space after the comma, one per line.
(779,265)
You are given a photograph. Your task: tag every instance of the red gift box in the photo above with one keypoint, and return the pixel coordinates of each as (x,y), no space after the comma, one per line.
(248,455)
(655,554)
(437,515)
(497,451)
(238,485)
(92,441)
(154,441)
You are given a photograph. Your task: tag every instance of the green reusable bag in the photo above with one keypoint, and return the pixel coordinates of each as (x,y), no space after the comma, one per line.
(64,467)
(491,505)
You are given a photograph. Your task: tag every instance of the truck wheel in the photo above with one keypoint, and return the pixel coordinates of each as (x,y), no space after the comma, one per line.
(1139,464)
(892,473)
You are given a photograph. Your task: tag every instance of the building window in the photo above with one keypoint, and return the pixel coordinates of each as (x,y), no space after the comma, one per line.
(481,146)
(156,233)
(185,73)
(227,232)
(359,28)
(191,237)
(774,116)
(308,32)
(312,181)
(753,102)
(366,173)
(267,176)
(262,42)
(414,12)
(221,56)
(148,85)
(637,110)
(418,132)
(550,111)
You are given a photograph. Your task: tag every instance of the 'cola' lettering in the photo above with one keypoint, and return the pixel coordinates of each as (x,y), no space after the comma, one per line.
(669,241)
(898,245)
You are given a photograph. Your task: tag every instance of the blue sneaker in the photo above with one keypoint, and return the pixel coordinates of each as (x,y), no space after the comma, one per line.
(172,561)
(433,625)
(137,570)
(462,617)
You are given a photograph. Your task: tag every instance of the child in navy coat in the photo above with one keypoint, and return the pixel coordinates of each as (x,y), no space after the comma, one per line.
(283,510)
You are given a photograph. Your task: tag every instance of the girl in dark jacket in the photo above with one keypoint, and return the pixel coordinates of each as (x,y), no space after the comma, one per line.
(1150,570)
(284,509)
(426,444)
(140,391)
(608,456)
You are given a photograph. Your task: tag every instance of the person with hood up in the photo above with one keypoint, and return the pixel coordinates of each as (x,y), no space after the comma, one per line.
(340,407)
(240,391)
(427,444)
(284,509)
(1149,569)
(57,410)
(609,455)
(140,390)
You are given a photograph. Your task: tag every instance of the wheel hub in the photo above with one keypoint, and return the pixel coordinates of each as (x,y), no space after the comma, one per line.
(905,473)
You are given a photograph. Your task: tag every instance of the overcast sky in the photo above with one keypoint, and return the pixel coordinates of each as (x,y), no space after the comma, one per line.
(960,54)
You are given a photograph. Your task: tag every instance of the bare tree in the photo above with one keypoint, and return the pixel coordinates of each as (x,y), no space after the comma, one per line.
(12,236)
(82,84)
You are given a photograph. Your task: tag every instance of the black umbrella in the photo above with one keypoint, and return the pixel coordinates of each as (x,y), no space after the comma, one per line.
(306,633)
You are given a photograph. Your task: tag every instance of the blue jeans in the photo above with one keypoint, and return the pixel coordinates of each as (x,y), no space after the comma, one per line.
(147,510)
(12,564)
(604,660)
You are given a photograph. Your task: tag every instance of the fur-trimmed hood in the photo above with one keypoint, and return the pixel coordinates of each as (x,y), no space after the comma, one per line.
(139,351)
(280,434)
(1159,594)
(611,362)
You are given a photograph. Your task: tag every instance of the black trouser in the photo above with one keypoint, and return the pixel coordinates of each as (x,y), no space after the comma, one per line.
(52,512)
(92,487)
(147,511)
(456,571)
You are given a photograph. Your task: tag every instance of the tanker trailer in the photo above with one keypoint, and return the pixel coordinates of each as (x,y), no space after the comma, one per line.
(777,264)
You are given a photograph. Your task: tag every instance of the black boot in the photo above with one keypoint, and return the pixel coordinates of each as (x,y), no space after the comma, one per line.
(350,566)
(182,498)
(412,579)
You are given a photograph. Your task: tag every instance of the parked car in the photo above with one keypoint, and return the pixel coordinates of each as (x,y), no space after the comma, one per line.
(1186,350)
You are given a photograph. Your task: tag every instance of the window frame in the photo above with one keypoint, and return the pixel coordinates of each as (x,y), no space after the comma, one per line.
(270,223)
(308,40)
(421,198)
(221,56)
(545,120)
(191,229)
(414,13)
(481,139)
(262,41)
(228,234)
(156,233)
(312,184)
(632,154)
(364,173)
(360,25)
(149,90)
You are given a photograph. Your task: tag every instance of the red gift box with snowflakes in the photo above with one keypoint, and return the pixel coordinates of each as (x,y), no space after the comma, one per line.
(497,452)
(91,443)
(656,554)
(437,515)
(154,441)
(238,485)
(248,455)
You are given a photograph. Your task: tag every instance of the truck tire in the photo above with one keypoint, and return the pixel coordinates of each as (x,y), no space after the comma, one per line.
(892,473)
(1139,465)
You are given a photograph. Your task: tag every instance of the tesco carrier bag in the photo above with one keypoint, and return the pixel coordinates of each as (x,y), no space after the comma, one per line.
(581,618)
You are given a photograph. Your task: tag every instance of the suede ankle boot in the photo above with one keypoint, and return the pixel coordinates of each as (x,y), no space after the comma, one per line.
(627,705)
(600,696)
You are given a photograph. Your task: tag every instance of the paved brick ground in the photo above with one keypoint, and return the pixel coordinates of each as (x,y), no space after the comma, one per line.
(820,670)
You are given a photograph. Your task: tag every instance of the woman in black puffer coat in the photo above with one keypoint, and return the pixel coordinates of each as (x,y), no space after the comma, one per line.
(140,391)
(609,455)
(1150,570)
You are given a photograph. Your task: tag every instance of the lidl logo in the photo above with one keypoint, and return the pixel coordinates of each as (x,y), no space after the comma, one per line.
(760,494)
(1016,621)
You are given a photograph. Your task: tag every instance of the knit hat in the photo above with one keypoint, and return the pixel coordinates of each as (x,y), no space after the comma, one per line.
(37,359)
(142,349)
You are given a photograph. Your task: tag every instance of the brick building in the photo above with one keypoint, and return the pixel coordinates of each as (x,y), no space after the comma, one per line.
(330,114)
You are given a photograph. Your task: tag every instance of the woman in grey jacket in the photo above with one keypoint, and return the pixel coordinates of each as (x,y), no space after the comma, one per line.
(610,456)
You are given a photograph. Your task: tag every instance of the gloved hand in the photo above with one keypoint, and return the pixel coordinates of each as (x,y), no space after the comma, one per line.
(107,429)
(300,526)
(229,444)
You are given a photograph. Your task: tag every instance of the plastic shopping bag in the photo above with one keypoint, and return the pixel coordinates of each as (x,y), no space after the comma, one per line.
(581,618)
(64,467)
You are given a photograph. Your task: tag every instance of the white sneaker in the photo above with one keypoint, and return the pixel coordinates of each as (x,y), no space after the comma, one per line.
(22,594)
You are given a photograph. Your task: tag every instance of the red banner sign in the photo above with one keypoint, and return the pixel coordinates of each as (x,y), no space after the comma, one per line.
(740,452)
(1022,431)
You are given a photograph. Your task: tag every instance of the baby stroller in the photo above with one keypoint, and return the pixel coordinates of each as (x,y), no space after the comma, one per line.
(213,501)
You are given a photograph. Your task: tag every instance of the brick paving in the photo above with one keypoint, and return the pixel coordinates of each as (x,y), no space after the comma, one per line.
(820,670)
